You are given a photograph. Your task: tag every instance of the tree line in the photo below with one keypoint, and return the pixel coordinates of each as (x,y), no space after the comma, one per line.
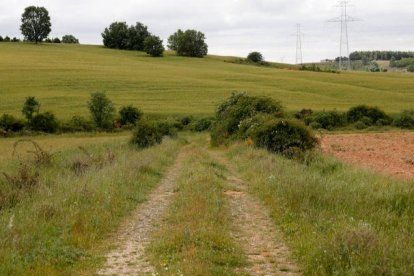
(36,26)
(381,55)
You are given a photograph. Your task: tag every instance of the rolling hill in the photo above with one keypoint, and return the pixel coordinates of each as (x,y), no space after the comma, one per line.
(63,76)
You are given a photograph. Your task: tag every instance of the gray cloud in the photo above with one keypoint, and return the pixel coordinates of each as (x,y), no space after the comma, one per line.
(233,27)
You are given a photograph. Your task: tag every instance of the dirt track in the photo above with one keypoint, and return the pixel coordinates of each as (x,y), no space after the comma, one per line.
(387,153)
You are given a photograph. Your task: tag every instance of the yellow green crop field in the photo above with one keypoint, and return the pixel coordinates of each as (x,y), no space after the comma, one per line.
(63,76)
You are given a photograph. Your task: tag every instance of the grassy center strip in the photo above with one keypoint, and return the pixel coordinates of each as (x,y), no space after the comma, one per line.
(195,238)
(338,220)
(59,224)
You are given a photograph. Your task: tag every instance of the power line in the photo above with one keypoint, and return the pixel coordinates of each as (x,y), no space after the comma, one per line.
(344,19)
(299,55)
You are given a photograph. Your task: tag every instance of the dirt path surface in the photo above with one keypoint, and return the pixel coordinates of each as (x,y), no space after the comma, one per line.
(389,153)
(254,230)
(135,235)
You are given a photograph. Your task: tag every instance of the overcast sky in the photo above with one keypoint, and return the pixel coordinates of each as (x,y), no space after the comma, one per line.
(234,27)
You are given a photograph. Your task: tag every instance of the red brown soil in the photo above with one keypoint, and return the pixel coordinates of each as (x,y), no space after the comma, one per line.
(389,153)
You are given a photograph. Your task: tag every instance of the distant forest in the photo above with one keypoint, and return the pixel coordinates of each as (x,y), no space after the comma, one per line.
(381,55)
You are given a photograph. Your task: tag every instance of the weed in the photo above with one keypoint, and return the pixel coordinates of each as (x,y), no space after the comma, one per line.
(42,157)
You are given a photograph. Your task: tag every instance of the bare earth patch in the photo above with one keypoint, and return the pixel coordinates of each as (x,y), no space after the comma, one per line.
(134,235)
(253,229)
(388,153)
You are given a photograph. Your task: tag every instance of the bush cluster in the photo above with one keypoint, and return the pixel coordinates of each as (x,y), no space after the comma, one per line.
(237,108)
(261,120)
(150,133)
(326,120)
(102,118)
(360,117)
(405,119)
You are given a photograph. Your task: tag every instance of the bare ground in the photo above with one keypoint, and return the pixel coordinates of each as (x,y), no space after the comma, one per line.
(253,229)
(387,153)
(134,235)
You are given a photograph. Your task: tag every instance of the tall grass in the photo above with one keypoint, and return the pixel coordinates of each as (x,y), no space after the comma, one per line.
(195,238)
(339,220)
(57,227)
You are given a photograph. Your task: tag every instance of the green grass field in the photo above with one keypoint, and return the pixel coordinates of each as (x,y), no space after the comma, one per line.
(63,76)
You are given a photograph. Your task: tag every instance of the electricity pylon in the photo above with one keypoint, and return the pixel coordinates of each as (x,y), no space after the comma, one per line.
(299,56)
(344,19)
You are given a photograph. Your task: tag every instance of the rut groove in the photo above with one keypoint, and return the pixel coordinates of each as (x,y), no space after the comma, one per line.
(253,228)
(134,235)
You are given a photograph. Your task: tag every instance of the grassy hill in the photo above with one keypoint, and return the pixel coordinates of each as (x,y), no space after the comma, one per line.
(63,76)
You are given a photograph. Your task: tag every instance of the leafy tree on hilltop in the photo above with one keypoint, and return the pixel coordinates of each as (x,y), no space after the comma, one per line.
(190,43)
(121,36)
(153,46)
(70,39)
(36,24)
(116,36)
(136,37)
(255,57)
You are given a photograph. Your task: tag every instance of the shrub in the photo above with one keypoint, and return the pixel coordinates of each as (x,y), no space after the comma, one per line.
(78,124)
(129,115)
(326,120)
(166,128)
(102,110)
(153,46)
(358,112)
(56,40)
(186,120)
(30,106)
(405,119)
(15,39)
(238,108)
(255,57)
(146,134)
(360,125)
(202,125)
(410,68)
(304,113)
(44,122)
(70,39)
(10,123)
(282,136)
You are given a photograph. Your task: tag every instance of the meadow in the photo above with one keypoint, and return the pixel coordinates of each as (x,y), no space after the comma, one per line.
(62,77)
(61,207)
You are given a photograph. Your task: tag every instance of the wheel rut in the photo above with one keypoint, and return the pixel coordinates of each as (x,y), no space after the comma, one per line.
(135,234)
(254,230)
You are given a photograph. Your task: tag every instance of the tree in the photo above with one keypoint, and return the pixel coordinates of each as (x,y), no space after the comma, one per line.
(1,38)
(31,106)
(121,36)
(7,39)
(56,40)
(129,115)
(255,57)
(116,36)
(102,110)
(153,46)
(70,39)
(190,43)
(36,24)
(136,37)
